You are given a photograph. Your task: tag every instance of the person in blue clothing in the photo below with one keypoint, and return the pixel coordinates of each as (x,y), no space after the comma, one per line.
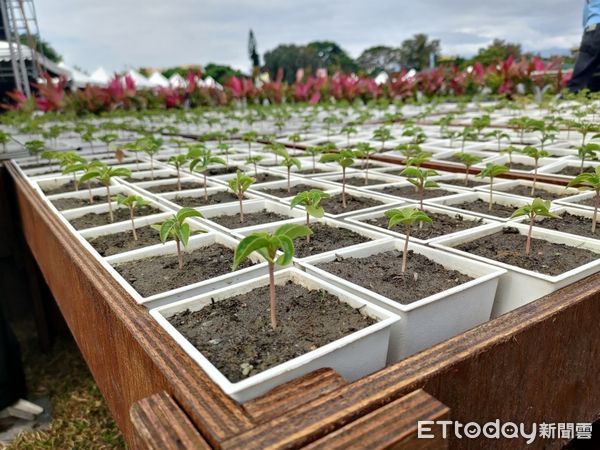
(587,66)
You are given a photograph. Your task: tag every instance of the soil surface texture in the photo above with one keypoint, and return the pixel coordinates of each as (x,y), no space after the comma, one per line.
(72,203)
(508,246)
(283,192)
(171,187)
(525,191)
(442,224)
(325,239)
(573,171)
(265,177)
(591,201)
(381,274)
(216,171)
(70,187)
(521,166)
(333,204)
(120,214)
(310,171)
(250,219)
(157,274)
(473,182)
(569,223)
(111,244)
(149,178)
(359,181)
(236,336)
(411,193)
(479,206)
(213,199)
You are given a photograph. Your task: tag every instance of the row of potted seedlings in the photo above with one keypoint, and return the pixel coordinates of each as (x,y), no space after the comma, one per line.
(348,295)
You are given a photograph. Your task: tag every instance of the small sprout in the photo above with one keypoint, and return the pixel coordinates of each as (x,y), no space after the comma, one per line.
(499,135)
(108,139)
(311,200)
(35,147)
(4,139)
(419,178)
(588,150)
(365,150)
(178,161)
(278,149)
(177,229)
(348,129)
(382,134)
(254,160)
(479,123)
(345,158)
(131,202)
(149,145)
(267,245)
(104,175)
(288,162)
(468,134)
(538,207)
(313,151)
(407,217)
(536,154)
(491,171)
(468,160)
(250,137)
(589,182)
(509,151)
(225,148)
(239,185)
(71,162)
(202,162)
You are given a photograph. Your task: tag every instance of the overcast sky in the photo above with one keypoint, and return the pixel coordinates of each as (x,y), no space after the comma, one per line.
(119,34)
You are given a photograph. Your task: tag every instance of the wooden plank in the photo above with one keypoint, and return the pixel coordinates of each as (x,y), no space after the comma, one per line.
(161,425)
(289,396)
(475,374)
(395,426)
(129,355)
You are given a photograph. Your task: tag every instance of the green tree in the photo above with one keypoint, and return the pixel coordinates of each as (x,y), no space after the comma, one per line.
(416,51)
(498,50)
(380,59)
(253,52)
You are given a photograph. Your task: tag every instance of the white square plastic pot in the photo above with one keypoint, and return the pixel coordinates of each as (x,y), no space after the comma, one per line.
(353,356)
(505,186)
(429,320)
(518,286)
(451,203)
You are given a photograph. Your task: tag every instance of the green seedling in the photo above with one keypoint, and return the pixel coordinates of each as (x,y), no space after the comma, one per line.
(382,134)
(468,160)
(467,134)
(345,158)
(509,151)
(250,137)
(4,139)
(311,200)
(108,139)
(491,171)
(254,160)
(239,185)
(202,162)
(313,151)
(131,202)
(178,161)
(348,129)
(288,162)
(407,217)
(365,150)
(225,148)
(104,175)
(267,245)
(589,150)
(177,229)
(535,154)
(589,182)
(35,148)
(419,178)
(537,208)
(499,135)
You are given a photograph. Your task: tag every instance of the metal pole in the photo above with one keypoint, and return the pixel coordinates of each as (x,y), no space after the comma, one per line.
(10,42)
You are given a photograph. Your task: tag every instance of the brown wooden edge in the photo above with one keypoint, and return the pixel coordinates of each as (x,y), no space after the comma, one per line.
(395,426)
(160,424)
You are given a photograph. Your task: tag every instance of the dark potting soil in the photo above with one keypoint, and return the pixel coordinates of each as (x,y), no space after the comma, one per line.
(149,178)
(360,181)
(398,172)
(508,246)
(311,171)
(472,182)
(481,207)
(411,193)
(266,177)
(525,191)
(381,274)
(170,187)
(442,224)
(591,201)
(71,203)
(569,223)
(325,239)
(250,219)
(216,171)
(236,336)
(69,187)
(333,205)
(150,276)
(120,214)
(213,199)
(283,192)
(453,159)
(573,171)
(521,166)
(111,244)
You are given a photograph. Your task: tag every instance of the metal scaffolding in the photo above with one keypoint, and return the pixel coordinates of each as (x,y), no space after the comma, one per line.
(20,22)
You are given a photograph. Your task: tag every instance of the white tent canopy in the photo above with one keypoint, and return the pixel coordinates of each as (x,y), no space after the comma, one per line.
(177,81)
(382,78)
(140,80)
(157,79)
(100,77)
(78,78)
